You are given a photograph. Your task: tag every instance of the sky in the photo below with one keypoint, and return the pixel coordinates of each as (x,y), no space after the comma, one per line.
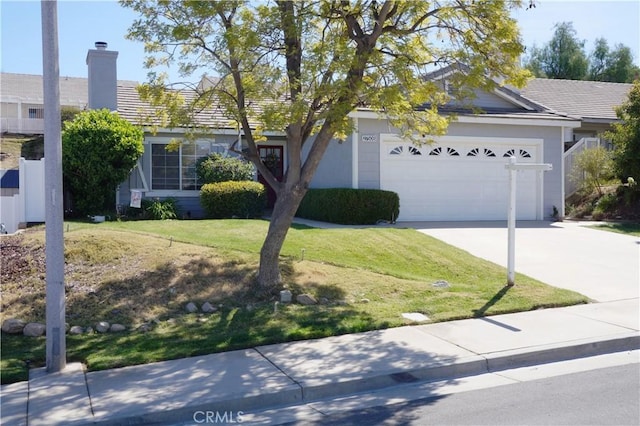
(81,23)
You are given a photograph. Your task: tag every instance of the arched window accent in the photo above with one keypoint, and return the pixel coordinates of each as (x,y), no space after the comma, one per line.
(452,152)
(474,152)
(436,151)
(397,150)
(414,151)
(510,153)
(489,153)
(517,153)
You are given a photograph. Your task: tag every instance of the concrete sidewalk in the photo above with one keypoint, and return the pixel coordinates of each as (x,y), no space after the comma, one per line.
(186,391)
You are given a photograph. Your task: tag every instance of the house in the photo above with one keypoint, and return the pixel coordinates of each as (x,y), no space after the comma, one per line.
(22,102)
(460,176)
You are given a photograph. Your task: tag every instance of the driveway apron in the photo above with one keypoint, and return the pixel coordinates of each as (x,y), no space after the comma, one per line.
(602,265)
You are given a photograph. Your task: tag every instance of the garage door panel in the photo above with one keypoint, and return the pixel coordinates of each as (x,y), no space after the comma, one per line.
(463,187)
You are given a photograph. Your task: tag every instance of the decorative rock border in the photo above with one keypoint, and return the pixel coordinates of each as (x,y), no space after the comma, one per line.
(36,329)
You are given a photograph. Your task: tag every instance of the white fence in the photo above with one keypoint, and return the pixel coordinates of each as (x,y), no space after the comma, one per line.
(28,204)
(569,158)
(27,126)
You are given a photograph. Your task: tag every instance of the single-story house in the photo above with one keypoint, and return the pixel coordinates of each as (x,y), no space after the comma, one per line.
(459,177)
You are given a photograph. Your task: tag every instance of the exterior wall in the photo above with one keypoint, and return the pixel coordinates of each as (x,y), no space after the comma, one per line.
(8,110)
(334,171)
(489,100)
(369,152)
(188,201)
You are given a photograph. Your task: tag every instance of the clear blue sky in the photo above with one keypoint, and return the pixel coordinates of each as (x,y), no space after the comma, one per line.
(81,23)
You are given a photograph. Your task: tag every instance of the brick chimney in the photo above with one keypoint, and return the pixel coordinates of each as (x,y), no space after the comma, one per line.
(103,79)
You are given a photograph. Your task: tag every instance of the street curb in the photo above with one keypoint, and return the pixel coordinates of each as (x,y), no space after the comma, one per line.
(309,392)
(561,352)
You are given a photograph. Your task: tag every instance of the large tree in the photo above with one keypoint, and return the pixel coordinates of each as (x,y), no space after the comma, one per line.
(310,63)
(562,58)
(626,137)
(612,65)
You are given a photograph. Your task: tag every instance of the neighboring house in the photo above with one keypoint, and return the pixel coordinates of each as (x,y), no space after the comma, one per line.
(460,177)
(22,103)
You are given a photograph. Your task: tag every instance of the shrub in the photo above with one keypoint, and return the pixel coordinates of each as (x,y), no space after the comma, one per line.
(350,206)
(99,149)
(158,209)
(229,199)
(218,168)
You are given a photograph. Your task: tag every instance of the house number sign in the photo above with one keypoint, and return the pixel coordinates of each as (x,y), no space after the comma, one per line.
(366,138)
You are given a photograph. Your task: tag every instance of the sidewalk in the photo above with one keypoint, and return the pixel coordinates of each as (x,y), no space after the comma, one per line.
(221,385)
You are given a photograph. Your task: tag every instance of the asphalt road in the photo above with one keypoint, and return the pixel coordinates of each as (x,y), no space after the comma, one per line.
(607,396)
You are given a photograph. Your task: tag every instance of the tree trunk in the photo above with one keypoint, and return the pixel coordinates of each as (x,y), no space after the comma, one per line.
(284,211)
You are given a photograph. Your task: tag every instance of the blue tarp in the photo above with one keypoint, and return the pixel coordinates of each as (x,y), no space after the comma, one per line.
(10,179)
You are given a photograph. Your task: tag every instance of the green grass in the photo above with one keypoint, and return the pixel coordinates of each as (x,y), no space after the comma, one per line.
(627,228)
(146,271)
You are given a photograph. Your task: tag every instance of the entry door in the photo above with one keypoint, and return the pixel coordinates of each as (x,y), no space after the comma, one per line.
(272,157)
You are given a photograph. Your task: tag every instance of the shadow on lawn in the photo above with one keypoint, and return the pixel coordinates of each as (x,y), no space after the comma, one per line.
(495,299)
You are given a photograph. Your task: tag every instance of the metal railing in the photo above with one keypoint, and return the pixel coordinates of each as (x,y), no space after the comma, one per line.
(571,185)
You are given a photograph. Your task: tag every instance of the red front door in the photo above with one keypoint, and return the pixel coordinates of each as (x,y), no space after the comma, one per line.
(272,157)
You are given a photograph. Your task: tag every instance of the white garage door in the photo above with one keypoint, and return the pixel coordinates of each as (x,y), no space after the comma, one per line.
(460,179)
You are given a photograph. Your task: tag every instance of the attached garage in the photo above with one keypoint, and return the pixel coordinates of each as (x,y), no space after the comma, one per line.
(460,178)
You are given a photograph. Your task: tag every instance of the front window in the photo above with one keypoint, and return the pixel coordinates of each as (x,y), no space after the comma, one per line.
(36,113)
(176,169)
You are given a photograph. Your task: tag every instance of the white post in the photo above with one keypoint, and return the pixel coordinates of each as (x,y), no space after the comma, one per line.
(511,224)
(513,167)
(56,349)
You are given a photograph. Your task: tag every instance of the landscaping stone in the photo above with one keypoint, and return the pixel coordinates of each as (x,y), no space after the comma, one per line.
(89,330)
(102,327)
(441,284)
(365,300)
(306,299)
(34,329)
(145,328)
(208,308)
(116,328)
(191,307)
(285,296)
(13,326)
(76,329)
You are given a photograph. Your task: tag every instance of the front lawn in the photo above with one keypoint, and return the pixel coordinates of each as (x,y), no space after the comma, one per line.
(145,272)
(629,228)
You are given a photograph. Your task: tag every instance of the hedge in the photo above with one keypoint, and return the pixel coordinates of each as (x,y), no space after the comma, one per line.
(350,206)
(241,199)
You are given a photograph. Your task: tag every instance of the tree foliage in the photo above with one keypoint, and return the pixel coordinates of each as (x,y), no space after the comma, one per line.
(626,137)
(99,149)
(564,57)
(310,63)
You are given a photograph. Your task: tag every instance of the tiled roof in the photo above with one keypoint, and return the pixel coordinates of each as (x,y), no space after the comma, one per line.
(583,99)
(133,109)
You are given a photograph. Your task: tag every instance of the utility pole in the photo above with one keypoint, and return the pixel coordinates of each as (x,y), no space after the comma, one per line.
(56,347)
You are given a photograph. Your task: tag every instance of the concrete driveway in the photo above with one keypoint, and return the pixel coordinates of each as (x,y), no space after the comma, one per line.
(602,265)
